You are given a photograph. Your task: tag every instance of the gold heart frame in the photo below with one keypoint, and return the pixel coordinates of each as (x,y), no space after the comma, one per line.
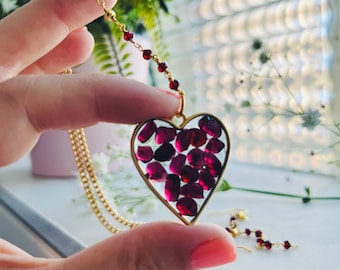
(156,186)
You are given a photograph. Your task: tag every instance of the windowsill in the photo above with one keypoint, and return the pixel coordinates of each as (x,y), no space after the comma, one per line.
(313,226)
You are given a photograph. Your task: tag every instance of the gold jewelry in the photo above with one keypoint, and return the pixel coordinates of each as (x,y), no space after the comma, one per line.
(93,190)
(261,242)
(181,163)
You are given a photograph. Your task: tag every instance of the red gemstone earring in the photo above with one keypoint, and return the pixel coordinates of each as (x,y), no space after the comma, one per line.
(261,242)
(181,159)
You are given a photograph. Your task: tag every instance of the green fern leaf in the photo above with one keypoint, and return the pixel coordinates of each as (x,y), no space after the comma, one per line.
(103,58)
(125,56)
(127,65)
(129,74)
(107,66)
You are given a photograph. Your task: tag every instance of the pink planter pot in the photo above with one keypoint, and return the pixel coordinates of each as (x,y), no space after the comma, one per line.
(53,157)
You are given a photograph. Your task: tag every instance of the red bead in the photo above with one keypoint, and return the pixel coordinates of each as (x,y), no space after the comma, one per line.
(174,85)
(232,218)
(162,67)
(177,163)
(182,140)
(260,241)
(268,245)
(195,158)
(247,231)
(128,36)
(165,152)
(214,146)
(197,137)
(210,125)
(187,206)
(189,174)
(286,244)
(192,190)
(144,153)
(147,54)
(172,187)
(258,233)
(155,171)
(148,130)
(206,180)
(213,164)
(165,134)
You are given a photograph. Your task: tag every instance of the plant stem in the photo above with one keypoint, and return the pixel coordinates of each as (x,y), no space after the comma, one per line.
(286,86)
(115,54)
(285,194)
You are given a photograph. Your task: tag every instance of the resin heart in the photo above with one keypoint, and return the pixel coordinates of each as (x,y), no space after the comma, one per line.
(181,164)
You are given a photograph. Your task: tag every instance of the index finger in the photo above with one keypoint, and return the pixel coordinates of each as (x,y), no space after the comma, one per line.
(30,105)
(33,30)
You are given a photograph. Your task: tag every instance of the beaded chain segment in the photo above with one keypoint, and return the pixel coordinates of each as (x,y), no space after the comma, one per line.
(261,242)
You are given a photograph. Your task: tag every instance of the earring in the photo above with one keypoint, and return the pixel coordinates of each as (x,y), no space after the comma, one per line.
(261,242)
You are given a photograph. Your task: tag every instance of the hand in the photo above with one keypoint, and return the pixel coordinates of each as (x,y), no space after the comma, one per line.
(153,246)
(42,39)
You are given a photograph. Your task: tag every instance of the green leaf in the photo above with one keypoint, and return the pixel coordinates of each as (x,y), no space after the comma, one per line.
(245,104)
(100,46)
(224,186)
(103,58)
(307,189)
(129,73)
(106,66)
(112,73)
(125,56)
(127,65)
(101,53)
(122,46)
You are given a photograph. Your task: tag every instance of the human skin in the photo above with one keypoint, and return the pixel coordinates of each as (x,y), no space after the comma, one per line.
(39,41)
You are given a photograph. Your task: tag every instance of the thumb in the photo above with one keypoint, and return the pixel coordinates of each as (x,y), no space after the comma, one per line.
(159,245)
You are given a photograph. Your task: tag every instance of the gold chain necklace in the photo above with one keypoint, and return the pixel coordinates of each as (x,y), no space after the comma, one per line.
(93,190)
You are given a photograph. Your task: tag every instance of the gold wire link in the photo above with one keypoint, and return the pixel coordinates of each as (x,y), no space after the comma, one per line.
(182,101)
(101,3)
(91,184)
(110,15)
(67,71)
(137,45)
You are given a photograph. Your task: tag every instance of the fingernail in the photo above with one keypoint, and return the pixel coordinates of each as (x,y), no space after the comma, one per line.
(213,253)
(169,92)
(81,29)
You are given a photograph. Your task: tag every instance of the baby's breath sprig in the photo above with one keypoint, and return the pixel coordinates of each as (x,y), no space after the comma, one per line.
(310,118)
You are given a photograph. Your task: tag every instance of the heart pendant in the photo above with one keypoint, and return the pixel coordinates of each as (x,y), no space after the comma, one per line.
(182,163)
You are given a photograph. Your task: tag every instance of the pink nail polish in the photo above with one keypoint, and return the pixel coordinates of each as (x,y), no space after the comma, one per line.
(213,253)
(168,91)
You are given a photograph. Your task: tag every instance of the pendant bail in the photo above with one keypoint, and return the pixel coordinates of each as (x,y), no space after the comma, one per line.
(180,113)
(182,103)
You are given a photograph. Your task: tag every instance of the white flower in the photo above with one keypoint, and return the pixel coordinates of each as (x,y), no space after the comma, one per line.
(311,119)
(150,205)
(101,162)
